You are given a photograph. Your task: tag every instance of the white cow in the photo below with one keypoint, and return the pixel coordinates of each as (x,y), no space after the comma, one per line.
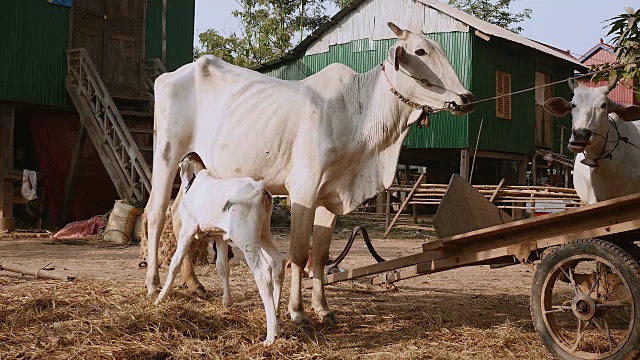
(330,141)
(237,209)
(607,142)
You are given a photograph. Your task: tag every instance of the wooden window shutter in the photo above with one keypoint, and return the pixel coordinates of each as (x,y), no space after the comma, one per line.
(503,87)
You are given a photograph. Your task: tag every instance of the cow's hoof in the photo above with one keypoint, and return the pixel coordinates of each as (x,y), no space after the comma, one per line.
(197,288)
(268,342)
(328,318)
(151,291)
(300,320)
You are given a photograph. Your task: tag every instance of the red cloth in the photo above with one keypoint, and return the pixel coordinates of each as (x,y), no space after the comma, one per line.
(81,229)
(53,134)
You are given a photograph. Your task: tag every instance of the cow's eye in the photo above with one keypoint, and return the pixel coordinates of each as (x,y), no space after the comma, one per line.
(573,106)
(604,106)
(421,52)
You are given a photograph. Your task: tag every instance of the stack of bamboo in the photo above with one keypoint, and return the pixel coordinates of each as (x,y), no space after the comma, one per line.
(506,197)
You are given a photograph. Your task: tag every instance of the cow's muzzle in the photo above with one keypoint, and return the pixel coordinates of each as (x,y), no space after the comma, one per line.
(579,140)
(467,106)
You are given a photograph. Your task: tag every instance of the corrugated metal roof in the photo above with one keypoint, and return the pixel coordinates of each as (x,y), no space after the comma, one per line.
(482,26)
(495,30)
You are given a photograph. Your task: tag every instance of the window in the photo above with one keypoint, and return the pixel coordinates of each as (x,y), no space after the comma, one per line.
(503,86)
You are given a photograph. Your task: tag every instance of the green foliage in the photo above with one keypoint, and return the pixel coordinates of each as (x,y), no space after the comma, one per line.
(494,12)
(626,42)
(269,29)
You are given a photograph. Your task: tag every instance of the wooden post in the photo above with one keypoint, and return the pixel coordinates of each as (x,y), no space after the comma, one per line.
(522,170)
(164,32)
(534,170)
(380,202)
(464,164)
(566,176)
(522,180)
(561,141)
(387,210)
(71,176)
(7,115)
(404,203)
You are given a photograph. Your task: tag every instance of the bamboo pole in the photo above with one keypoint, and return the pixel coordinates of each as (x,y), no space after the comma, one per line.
(37,273)
(404,203)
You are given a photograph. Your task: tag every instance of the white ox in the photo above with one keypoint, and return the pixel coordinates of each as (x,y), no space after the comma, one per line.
(608,144)
(330,141)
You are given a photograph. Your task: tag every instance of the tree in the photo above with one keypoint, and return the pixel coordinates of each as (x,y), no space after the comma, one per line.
(626,42)
(494,12)
(269,29)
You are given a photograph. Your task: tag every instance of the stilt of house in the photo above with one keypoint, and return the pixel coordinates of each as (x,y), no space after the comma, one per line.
(7,114)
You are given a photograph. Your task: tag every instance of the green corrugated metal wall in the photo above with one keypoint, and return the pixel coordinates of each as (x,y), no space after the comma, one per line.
(180,24)
(518,134)
(34,43)
(33,56)
(446,131)
(562,90)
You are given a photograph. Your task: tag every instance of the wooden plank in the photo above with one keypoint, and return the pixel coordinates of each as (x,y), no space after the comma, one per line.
(495,192)
(404,203)
(71,176)
(7,118)
(464,209)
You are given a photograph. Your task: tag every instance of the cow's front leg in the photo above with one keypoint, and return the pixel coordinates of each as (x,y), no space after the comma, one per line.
(301,222)
(323,225)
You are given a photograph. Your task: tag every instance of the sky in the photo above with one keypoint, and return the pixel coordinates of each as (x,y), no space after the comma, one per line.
(575,25)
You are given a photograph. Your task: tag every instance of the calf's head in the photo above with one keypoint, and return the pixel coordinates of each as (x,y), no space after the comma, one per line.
(590,108)
(424,74)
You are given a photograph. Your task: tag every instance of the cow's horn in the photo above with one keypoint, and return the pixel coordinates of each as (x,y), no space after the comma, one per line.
(572,84)
(401,34)
(612,83)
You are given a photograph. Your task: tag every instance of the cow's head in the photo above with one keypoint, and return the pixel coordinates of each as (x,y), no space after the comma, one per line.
(589,109)
(189,168)
(424,74)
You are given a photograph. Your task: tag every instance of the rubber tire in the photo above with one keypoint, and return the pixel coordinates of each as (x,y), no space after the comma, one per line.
(628,267)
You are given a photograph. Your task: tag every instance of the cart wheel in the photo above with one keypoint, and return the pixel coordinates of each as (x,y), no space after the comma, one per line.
(585,301)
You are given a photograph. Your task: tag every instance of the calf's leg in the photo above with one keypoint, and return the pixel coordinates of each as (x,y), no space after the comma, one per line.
(187,272)
(187,233)
(222,264)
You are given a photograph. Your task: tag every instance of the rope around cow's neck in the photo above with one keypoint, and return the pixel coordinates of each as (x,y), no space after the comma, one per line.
(604,154)
(426,108)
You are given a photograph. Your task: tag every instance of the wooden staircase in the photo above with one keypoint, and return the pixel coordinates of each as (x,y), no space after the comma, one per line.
(120,127)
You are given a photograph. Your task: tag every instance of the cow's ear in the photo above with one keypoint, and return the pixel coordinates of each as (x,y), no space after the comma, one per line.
(184,166)
(397,53)
(625,112)
(557,106)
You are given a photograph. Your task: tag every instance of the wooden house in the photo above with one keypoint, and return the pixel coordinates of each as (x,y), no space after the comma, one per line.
(489,61)
(76,97)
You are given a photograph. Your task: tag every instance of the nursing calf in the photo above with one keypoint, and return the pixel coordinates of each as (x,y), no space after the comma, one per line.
(237,209)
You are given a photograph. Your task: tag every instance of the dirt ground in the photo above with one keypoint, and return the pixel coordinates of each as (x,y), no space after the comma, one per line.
(469,313)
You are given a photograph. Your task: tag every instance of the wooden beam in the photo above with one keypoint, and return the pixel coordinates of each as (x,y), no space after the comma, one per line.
(71,176)
(387,209)
(7,118)
(464,164)
(498,155)
(404,203)
(495,192)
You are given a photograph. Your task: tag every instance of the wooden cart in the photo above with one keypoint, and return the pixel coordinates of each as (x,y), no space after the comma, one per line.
(585,296)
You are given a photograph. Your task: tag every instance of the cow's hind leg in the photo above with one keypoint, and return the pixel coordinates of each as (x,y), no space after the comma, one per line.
(323,225)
